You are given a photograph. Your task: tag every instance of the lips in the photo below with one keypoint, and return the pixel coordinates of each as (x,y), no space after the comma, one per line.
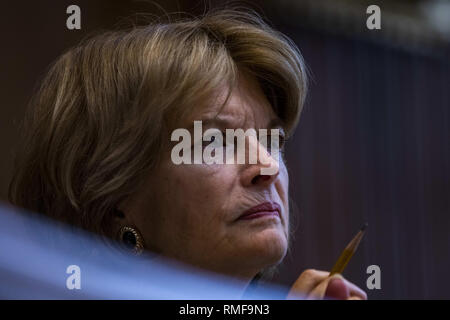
(262,210)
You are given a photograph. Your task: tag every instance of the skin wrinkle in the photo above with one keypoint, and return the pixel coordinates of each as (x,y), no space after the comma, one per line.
(193,209)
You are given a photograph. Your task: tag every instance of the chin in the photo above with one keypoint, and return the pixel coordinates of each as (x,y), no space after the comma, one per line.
(270,247)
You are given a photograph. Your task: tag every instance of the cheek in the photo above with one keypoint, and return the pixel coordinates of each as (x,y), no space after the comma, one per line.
(184,202)
(200,190)
(208,179)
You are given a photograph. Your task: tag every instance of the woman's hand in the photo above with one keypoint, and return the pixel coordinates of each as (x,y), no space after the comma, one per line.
(314,284)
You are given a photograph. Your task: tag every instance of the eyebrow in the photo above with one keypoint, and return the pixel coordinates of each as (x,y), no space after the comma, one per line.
(224,123)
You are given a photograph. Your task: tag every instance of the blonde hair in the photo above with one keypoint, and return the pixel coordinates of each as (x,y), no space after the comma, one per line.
(96,124)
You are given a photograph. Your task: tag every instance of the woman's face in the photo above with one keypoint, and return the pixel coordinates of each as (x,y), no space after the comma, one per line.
(191,212)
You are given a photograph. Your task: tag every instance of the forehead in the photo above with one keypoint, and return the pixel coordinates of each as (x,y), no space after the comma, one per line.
(247,105)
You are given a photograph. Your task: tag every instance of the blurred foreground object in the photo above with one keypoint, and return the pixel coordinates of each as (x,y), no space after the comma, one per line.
(35,254)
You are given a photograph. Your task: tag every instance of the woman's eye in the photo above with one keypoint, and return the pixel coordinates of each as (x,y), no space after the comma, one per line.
(206,143)
(213,138)
(281,142)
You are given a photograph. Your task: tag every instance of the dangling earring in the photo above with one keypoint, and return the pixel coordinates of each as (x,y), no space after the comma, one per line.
(132,239)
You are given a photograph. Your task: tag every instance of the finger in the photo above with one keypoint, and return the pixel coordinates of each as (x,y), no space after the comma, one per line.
(355,298)
(355,290)
(307,281)
(339,288)
(336,287)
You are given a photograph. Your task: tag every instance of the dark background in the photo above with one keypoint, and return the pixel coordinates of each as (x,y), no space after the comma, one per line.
(372,144)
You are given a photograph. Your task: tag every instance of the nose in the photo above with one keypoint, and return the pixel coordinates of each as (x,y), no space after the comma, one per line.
(266,169)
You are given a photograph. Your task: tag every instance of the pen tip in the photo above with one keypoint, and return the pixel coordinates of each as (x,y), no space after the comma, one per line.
(364,226)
